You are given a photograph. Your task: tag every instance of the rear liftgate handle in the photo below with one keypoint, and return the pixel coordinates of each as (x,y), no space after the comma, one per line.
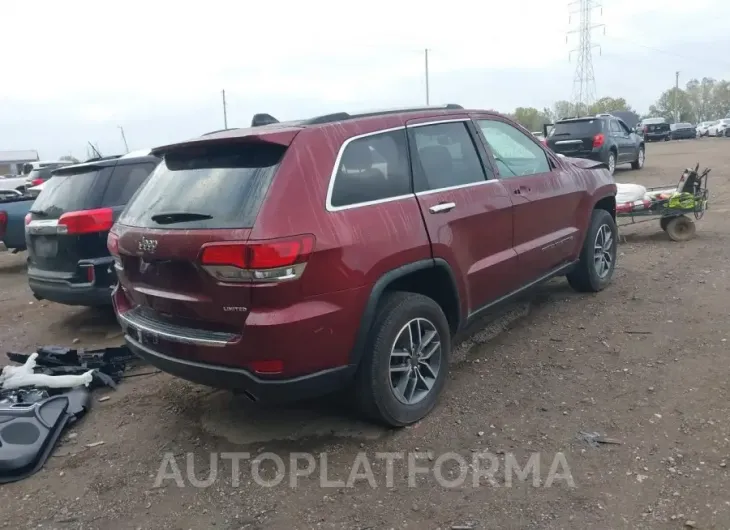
(442,207)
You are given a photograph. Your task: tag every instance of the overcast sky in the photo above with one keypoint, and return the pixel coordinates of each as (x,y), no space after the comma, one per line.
(76,70)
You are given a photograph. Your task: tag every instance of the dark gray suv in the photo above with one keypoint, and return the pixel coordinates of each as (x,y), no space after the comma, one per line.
(602,138)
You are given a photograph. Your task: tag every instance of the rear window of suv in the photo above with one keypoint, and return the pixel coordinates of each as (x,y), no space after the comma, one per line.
(65,193)
(206,188)
(577,128)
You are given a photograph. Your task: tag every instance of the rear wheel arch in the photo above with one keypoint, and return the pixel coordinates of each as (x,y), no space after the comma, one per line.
(433,278)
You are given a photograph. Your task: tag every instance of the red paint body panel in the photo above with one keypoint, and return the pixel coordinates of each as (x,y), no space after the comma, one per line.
(494,240)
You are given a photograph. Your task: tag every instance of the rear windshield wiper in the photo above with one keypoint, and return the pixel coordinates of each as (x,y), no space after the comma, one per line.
(179,217)
(38,212)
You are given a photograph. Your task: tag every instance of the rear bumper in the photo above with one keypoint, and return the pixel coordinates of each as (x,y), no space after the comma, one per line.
(69,294)
(656,136)
(237,379)
(311,341)
(64,288)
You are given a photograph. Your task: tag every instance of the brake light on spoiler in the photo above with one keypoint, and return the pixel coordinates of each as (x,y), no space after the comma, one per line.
(274,260)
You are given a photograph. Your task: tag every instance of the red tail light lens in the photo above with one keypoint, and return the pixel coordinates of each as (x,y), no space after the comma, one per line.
(3,223)
(28,217)
(86,221)
(36,182)
(112,243)
(273,260)
(598,140)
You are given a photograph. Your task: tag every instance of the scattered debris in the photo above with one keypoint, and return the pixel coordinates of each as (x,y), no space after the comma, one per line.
(638,332)
(595,439)
(104,398)
(46,393)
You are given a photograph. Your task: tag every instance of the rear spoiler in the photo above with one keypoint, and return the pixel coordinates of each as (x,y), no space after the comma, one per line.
(262,119)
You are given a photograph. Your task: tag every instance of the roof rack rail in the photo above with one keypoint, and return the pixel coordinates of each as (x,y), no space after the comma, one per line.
(341,116)
(219,131)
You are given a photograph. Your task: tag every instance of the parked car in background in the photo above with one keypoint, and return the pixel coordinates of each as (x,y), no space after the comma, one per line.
(682,131)
(13,208)
(67,227)
(13,183)
(603,138)
(719,127)
(653,129)
(38,172)
(293,259)
(703,128)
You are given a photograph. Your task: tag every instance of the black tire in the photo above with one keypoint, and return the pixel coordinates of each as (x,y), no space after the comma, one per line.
(373,390)
(666,138)
(640,158)
(681,228)
(584,277)
(611,167)
(664,221)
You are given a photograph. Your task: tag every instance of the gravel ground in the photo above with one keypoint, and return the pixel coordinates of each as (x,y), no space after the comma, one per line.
(644,363)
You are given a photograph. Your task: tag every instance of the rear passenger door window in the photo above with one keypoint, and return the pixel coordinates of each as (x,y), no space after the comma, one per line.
(515,153)
(124,181)
(445,156)
(370,169)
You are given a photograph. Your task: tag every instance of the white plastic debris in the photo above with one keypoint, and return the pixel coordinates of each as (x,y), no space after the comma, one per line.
(13,377)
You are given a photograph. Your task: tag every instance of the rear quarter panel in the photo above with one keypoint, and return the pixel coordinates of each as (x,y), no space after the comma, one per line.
(598,183)
(354,246)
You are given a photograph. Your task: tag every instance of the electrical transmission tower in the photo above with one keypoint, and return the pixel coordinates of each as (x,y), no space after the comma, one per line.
(584,83)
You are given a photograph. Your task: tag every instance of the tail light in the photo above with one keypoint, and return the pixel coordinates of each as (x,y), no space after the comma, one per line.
(112,243)
(258,261)
(646,129)
(36,182)
(3,223)
(598,140)
(28,217)
(86,221)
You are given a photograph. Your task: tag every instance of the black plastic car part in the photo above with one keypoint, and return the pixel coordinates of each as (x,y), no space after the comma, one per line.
(29,432)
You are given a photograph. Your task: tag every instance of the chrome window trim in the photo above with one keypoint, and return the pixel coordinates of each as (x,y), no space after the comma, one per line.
(457,187)
(333,175)
(437,122)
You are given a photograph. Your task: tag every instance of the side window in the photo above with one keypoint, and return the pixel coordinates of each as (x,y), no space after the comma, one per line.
(615,128)
(624,128)
(515,153)
(372,168)
(446,156)
(124,182)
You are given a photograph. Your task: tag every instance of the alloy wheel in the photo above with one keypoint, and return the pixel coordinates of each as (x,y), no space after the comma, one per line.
(603,251)
(415,361)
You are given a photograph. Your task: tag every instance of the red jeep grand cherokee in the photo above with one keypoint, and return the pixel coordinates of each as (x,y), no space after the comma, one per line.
(292,259)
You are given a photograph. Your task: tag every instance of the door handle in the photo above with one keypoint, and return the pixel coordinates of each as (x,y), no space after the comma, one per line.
(519,190)
(442,207)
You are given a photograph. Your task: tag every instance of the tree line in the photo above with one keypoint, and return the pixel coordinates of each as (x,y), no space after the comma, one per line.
(700,100)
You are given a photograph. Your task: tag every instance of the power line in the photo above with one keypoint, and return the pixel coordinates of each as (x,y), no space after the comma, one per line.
(584,82)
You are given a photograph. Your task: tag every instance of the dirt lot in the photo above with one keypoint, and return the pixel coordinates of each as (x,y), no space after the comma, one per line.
(645,363)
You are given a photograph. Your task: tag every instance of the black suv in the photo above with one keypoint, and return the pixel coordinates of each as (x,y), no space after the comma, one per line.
(67,227)
(602,138)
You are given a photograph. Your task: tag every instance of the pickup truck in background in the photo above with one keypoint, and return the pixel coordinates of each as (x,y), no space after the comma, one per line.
(12,220)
